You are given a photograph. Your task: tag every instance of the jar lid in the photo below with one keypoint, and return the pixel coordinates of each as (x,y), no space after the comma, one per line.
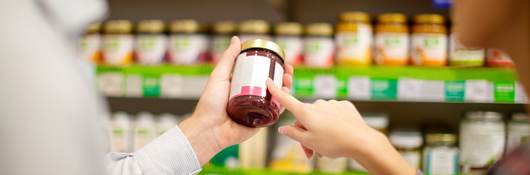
(484,116)
(319,29)
(288,28)
(151,26)
(376,120)
(392,18)
(520,117)
(440,137)
(184,26)
(406,139)
(354,16)
(429,19)
(167,117)
(93,28)
(118,26)
(224,27)
(254,26)
(260,43)
(120,117)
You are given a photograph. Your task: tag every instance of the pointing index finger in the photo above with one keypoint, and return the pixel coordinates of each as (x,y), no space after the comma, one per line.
(284,98)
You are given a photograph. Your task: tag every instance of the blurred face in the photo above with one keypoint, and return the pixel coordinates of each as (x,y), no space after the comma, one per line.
(477,21)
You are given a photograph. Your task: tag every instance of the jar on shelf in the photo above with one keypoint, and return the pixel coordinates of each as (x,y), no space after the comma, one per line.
(482,140)
(118,43)
(223,32)
(319,48)
(460,55)
(188,43)
(429,40)
(253,29)
(151,42)
(498,58)
(332,165)
(440,155)
(90,44)
(408,143)
(289,37)
(121,132)
(392,39)
(249,103)
(518,131)
(354,39)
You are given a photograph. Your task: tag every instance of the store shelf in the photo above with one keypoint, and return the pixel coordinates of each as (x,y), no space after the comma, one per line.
(376,83)
(208,170)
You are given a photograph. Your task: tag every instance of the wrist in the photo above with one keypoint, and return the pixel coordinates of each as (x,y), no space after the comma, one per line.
(201,137)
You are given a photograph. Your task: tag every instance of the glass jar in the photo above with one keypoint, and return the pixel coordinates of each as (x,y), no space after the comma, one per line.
(429,40)
(392,39)
(121,132)
(223,32)
(440,156)
(118,43)
(288,36)
(187,42)
(459,55)
(250,104)
(354,39)
(253,29)
(151,42)
(319,48)
(482,139)
(498,58)
(90,44)
(518,130)
(408,143)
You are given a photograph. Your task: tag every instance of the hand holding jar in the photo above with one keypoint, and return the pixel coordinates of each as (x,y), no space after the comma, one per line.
(336,129)
(210,128)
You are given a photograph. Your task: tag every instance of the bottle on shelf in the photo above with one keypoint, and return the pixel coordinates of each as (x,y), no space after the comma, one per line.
(118,43)
(319,48)
(354,39)
(498,58)
(151,42)
(90,44)
(222,33)
(188,43)
(289,37)
(392,39)
(253,29)
(121,136)
(408,143)
(440,155)
(462,56)
(518,131)
(144,130)
(429,40)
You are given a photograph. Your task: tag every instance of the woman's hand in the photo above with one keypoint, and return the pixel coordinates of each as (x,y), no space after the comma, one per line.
(336,129)
(210,129)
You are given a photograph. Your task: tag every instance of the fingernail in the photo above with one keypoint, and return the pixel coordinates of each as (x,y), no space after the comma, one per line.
(233,39)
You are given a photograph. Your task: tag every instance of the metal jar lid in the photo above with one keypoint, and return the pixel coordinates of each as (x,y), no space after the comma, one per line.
(432,138)
(118,26)
(288,28)
(151,26)
(319,29)
(263,44)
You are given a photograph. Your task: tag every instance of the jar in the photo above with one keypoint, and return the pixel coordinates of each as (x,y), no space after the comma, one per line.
(151,42)
(440,156)
(118,43)
(408,144)
(392,39)
(187,42)
(253,29)
(498,58)
(250,103)
(288,36)
(354,39)
(429,40)
(482,139)
(223,32)
(121,136)
(518,130)
(144,130)
(319,48)
(459,55)
(332,165)
(90,44)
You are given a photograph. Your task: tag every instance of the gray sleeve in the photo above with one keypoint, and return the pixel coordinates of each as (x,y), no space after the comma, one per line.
(169,154)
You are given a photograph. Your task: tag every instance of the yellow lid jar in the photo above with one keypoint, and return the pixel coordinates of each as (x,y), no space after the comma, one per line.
(392,39)
(90,44)
(319,48)
(118,43)
(151,42)
(187,42)
(223,31)
(354,39)
(289,37)
(429,40)
(254,29)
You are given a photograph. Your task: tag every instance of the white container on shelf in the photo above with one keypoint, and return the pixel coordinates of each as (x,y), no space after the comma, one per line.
(408,143)
(151,42)
(165,122)
(121,135)
(144,130)
(518,131)
(253,152)
(187,43)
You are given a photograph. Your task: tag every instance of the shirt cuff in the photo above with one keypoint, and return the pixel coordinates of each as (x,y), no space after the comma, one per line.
(169,154)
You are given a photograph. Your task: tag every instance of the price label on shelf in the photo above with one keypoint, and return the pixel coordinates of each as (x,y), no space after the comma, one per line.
(151,86)
(478,91)
(431,90)
(194,86)
(133,86)
(325,86)
(409,89)
(455,91)
(359,88)
(111,84)
(171,85)
(520,95)
(504,91)
(384,89)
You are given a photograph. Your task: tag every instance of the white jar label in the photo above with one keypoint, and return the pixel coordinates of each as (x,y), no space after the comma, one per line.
(359,88)
(355,46)
(481,143)
(293,47)
(429,49)
(318,51)
(89,46)
(117,49)
(187,48)
(391,47)
(459,52)
(441,161)
(251,73)
(151,49)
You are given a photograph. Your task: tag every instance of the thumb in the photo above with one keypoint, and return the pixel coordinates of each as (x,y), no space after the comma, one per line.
(294,133)
(284,98)
(224,67)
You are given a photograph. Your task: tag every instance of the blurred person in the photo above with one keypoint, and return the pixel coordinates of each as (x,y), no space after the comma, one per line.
(52,120)
(342,132)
